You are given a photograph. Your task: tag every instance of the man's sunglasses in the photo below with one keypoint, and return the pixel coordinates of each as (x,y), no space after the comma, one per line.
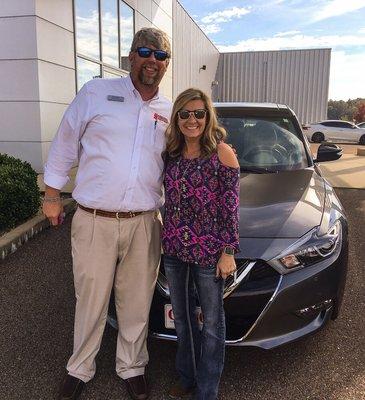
(198,114)
(145,52)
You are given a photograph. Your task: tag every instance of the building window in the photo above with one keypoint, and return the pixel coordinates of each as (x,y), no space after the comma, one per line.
(87,28)
(86,70)
(109,24)
(113,74)
(126,34)
(104,33)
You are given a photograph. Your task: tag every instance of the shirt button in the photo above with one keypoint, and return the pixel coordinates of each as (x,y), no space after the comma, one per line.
(215,173)
(199,166)
(215,219)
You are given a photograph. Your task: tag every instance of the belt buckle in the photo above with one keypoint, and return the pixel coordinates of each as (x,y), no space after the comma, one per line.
(117,215)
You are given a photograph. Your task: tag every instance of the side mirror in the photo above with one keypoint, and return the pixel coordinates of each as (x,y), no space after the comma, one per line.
(328,152)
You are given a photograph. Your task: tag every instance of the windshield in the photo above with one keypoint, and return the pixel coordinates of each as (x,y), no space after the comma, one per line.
(265,144)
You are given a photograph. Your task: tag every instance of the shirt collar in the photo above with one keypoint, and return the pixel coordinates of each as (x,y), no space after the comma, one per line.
(133,90)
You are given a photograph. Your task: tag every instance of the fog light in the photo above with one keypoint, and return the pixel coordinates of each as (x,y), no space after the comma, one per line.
(315,308)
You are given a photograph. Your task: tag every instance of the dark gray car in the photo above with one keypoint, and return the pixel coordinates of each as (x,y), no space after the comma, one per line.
(293,234)
(291,271)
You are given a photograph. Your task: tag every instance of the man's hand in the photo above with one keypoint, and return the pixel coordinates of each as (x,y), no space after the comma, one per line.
(226,266)
(52,206)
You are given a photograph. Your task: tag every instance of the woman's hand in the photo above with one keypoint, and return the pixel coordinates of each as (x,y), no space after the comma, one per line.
(226,266)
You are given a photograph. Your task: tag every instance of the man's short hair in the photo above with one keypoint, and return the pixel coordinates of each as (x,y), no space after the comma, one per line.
(151,36)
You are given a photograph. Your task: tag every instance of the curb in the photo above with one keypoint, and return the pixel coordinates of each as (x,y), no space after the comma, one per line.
(12,240)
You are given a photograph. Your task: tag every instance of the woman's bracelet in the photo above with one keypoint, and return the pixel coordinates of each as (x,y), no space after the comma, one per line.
(48,199)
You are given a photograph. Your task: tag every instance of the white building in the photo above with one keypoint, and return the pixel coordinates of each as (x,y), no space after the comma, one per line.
(48,49)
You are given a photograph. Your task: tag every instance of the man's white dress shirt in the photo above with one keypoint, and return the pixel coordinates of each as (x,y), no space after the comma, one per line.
(118,139)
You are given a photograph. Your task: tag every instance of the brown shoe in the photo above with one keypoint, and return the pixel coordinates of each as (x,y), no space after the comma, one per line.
(137,387)
(179,392)
(71,388)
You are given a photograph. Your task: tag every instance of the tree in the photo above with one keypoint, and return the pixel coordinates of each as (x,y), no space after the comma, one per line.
(340,109)
(359,115)
(336,109)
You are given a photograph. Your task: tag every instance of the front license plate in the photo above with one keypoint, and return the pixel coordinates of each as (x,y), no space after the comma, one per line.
(169,317)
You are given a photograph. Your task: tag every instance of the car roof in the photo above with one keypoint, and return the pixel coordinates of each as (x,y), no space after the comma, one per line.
(257,109)
(334,120)
(261,109)
(268,106)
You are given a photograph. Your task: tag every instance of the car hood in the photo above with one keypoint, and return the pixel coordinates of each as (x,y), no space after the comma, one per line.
(286,204)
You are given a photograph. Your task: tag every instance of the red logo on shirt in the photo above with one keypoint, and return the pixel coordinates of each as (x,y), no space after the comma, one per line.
(158,117)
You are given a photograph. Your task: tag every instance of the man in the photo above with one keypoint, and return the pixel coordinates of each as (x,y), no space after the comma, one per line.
(115,128)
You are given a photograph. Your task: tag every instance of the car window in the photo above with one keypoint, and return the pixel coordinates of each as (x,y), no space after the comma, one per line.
(269,143)
(341,124)
(333,124)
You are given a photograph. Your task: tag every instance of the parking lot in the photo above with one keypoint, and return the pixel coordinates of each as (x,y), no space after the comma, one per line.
(36,309)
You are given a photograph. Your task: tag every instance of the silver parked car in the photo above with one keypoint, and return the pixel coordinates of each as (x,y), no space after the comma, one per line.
(334,131)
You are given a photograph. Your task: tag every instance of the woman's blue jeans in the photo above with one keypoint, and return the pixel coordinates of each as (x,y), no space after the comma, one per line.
(200,354)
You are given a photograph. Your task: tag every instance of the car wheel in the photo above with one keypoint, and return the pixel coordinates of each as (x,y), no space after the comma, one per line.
(362,140)
(317,137)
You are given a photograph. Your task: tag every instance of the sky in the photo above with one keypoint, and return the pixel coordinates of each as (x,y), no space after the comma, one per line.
(252,25)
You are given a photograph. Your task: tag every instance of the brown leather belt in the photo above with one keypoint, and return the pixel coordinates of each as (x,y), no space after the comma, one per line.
(111,214)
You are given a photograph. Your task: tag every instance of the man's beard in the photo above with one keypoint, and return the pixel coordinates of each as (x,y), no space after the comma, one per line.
(148,80)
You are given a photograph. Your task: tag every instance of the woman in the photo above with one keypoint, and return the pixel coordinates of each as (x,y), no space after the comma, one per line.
(200,237)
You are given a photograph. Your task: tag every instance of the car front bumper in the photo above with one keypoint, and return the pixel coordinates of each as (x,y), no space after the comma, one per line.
(268,309)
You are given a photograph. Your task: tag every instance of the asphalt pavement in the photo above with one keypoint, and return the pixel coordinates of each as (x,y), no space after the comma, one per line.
(37,306)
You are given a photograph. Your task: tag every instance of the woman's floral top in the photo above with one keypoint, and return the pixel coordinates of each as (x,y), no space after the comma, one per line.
(201,209)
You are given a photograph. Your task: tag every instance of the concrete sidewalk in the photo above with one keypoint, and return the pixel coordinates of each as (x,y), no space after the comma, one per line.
(348,172)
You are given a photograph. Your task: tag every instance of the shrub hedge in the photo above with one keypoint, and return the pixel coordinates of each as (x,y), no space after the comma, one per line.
(19,192)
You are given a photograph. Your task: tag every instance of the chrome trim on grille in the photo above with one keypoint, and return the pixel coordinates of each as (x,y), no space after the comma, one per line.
(162,285)
(232,342)
(238,277)
(163,336)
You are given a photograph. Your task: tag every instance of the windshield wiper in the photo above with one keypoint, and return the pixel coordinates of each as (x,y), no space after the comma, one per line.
(257,170)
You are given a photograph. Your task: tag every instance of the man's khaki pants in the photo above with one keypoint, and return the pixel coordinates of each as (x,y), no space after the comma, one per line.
(124,253)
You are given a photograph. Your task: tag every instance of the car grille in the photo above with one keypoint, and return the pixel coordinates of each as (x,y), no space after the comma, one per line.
(262,270)
(243,305)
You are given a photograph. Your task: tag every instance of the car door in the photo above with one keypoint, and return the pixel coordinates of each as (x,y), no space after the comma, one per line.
(347,132)
(340,131)
(355,134)
(331,130)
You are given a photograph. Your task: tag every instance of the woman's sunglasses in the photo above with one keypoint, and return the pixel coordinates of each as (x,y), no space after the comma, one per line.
(198,114)
(145,52)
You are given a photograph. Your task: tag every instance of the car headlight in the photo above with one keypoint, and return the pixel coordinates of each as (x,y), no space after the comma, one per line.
(309,249)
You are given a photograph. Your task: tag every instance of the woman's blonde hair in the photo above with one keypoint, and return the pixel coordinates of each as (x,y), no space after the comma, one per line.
(213,132)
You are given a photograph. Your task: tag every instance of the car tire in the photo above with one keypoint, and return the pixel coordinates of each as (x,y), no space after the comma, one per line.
(362,140)
(317,137)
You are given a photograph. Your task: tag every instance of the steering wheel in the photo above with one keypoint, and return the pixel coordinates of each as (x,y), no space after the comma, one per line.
(277,153)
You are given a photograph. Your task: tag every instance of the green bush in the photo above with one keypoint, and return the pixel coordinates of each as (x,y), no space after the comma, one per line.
(19,192)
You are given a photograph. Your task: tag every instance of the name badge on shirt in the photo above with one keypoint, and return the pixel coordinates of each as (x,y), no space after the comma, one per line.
(110,97)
